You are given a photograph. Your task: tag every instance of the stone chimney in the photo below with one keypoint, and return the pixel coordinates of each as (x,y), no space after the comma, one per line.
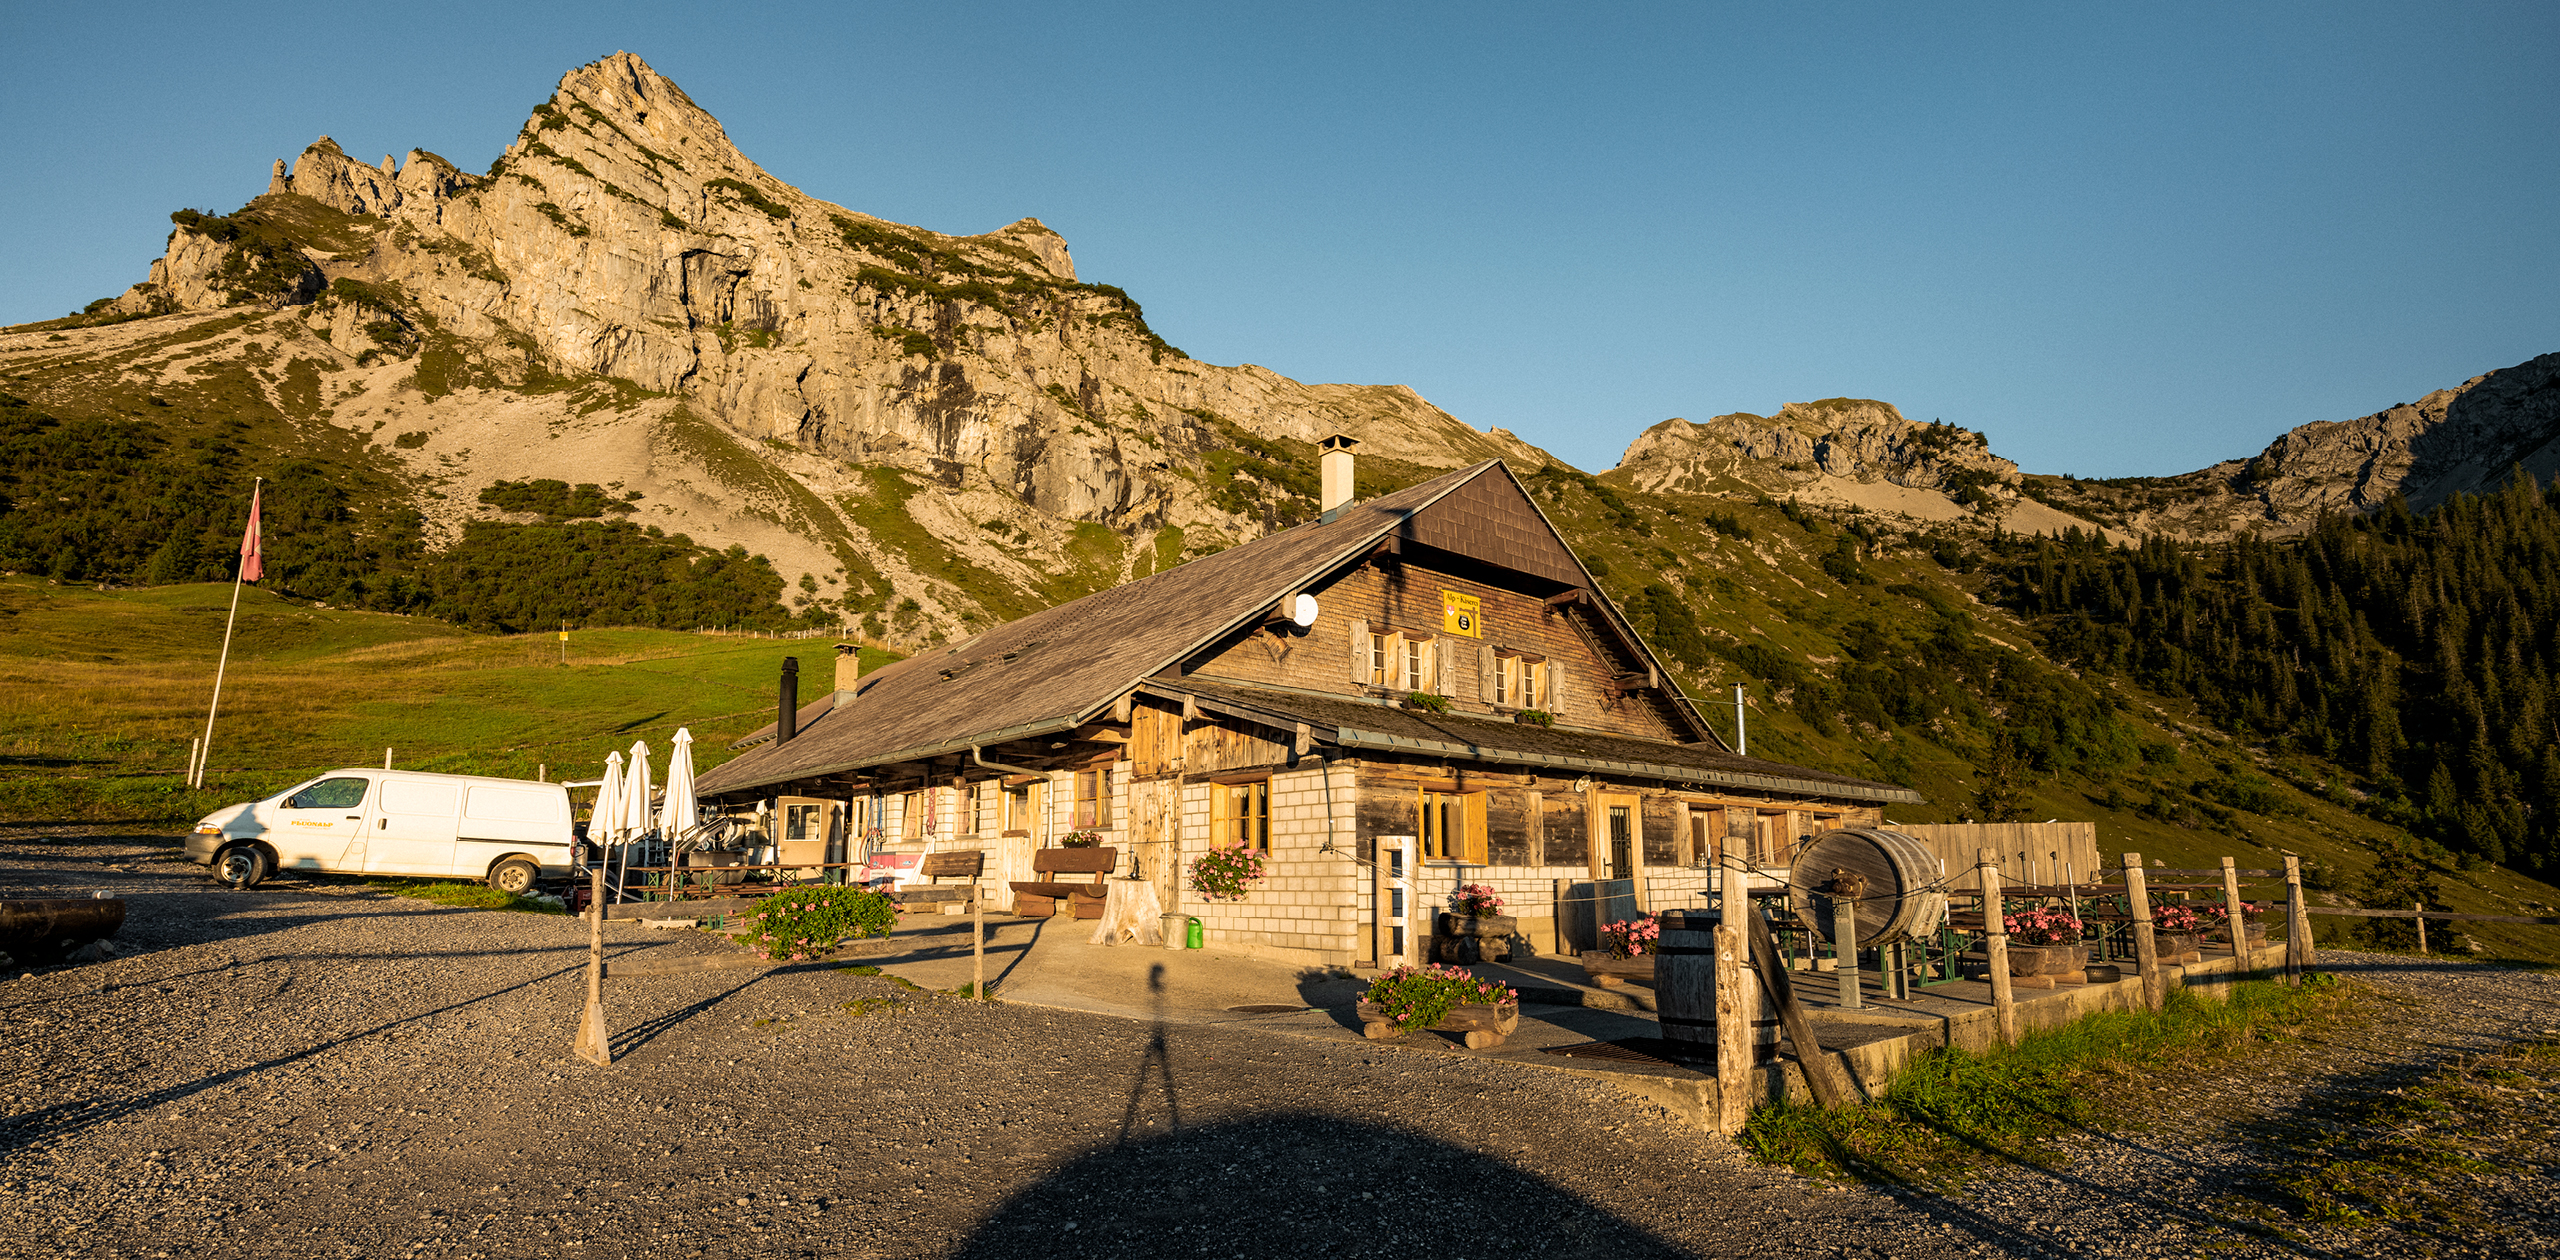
(848,672)
(1335,463)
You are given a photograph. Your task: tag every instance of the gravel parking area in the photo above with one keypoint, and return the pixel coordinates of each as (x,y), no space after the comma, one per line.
(320,1069)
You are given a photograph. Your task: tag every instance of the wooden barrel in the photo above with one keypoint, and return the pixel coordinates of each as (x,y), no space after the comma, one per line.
(46,926)
(1901,900)
(1684,990)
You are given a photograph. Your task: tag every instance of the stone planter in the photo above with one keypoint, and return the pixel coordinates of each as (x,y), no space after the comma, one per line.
(1465,938)
(2047,960)
(2174,947)
(1485,1025)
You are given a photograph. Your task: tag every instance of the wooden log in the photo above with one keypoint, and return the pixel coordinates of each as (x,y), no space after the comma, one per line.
(1995,950)
(1483,1024)
(642,968)
(2146,950)
(1604,967)
(2232,908)
(1830,1087)
(706,908)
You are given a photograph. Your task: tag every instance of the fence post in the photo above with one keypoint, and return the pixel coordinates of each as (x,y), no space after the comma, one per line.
(2297,923)
(2421,921)
(1735,1045)
(2231,907)
(1995,949)
(2146,951)
(595,1040)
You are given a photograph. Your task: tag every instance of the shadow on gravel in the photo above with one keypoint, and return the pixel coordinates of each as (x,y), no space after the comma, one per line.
(66,1119)
(1301,1186)
(641,1034)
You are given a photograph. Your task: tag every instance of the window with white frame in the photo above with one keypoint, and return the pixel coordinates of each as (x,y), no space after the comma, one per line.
(1519,681)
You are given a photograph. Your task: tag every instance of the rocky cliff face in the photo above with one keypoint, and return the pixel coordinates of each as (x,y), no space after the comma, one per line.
(625,292)
(2464,440)
(1842,452)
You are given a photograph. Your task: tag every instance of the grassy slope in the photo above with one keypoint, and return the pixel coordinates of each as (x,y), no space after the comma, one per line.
(1772,589)
(100,693)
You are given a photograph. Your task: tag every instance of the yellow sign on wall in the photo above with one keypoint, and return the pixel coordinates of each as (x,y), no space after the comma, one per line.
(1461,614)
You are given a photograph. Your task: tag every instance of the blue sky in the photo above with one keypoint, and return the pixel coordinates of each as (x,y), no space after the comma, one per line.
(2122,240)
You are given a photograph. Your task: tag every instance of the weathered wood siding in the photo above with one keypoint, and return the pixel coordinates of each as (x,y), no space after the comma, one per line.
(1406,597)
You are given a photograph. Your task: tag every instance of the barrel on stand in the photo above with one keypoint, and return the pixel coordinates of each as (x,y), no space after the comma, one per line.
(1901,899)
(1684,990)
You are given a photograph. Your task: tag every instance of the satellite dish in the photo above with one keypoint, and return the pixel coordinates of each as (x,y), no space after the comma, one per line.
(1302,610)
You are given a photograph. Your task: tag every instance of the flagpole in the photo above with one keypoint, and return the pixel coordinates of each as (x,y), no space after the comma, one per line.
(204,754)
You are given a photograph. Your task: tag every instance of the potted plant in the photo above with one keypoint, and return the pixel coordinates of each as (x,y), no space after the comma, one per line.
(1226,873)
(813,922)
(1534,717)
(1426,702)
(1627,950)
(2178,930)
(1079,839)
(1462,932)
(1442,999)
(2044,942)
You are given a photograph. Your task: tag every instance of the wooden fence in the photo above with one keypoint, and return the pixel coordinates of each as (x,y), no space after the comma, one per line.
(2030,853)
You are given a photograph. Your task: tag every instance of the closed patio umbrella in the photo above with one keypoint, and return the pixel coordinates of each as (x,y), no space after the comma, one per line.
(675,815)
(636,813)
(605,825)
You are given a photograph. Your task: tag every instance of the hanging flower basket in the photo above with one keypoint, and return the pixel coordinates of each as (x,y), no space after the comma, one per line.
(1226,873)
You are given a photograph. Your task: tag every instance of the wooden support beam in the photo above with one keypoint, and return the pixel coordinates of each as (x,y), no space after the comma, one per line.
(2146,949)
(1995,949)
(2232,908)
(1830,1087)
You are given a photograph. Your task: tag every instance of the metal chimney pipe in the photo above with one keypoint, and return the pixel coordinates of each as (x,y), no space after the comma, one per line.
(788,725)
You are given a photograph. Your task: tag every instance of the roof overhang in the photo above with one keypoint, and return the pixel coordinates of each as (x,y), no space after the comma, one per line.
(1350,738)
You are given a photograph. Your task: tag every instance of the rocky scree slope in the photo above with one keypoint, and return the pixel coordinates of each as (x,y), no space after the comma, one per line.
(625,298)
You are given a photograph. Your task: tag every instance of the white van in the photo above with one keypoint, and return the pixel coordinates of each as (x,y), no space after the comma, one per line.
(509,832)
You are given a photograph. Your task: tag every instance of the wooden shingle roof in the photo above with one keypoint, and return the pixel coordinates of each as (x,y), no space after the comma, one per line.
(1058,668)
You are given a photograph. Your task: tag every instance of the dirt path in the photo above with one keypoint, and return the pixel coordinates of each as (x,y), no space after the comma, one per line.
(323,1070)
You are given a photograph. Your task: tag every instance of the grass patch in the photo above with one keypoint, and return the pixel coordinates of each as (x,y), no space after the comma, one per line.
(447,892)
(101,692)
(1953,1111)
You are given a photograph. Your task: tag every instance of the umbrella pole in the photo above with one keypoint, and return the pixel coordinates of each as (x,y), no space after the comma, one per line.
(595,1042)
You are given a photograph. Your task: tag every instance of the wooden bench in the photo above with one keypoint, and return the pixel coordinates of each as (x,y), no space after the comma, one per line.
(1038,898)
(961,864)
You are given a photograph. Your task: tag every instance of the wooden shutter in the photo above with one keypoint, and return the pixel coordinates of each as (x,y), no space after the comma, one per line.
(1485,666)
(1476,847)
(1444,666)
(1555,687)
(1360,651)
(1221,814)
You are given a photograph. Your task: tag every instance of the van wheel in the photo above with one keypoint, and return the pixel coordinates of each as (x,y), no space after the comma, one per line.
(241,866)
(514,877)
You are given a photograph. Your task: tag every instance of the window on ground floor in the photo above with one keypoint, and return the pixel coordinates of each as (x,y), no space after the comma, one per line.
(1240,814)
(1452,828)
(1093,800)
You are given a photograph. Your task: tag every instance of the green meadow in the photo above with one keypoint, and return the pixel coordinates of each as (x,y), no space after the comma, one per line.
(102,691)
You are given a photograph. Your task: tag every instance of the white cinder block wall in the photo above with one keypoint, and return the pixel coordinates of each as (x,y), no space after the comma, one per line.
(1307,907)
